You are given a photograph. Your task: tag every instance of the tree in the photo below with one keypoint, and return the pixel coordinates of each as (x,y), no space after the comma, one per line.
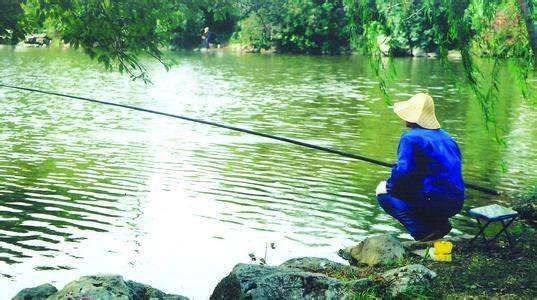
(527,7)
(10,14)
(115,32)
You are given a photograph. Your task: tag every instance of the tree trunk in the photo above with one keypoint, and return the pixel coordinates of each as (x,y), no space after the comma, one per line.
(530,27)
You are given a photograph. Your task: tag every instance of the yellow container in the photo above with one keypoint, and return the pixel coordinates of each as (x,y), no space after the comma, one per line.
(442,247)
(442,257)
(442,250)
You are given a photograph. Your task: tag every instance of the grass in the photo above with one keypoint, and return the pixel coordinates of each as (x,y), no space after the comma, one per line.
(498,272)
(475,271)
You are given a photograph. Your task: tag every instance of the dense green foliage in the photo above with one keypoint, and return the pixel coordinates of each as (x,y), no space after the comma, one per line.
(118,32)
(297,26)
(113,32)
(492,28)
(10,15)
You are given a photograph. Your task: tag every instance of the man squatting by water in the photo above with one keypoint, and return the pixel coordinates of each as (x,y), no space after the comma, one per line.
(426,187)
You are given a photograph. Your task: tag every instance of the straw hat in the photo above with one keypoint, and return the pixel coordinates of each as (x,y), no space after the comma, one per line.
(419,109)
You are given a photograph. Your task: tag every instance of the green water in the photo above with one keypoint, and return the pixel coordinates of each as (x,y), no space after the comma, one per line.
(93,189)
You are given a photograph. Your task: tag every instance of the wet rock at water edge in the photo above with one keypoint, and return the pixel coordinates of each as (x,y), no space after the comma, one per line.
(101,287)
(37,40)
(454,54)
(36,293)
(144,291)
(408,280)
(383,43)
(383,249)
(419,52)
(264,282)
(319,265)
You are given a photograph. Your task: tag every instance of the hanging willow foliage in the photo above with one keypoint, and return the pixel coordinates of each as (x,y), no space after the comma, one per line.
(449,24)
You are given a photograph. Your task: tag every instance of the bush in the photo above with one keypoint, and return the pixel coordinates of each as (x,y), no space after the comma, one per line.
(297,26)
(10,14)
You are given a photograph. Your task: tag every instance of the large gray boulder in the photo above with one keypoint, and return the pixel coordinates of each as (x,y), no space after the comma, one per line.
(36,293)
(104,287)
(319,265)
(248,281)
(144,291)
(408,279)
(382,249)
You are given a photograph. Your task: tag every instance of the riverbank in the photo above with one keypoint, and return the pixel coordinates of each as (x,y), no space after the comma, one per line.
(383,272)
(385,50)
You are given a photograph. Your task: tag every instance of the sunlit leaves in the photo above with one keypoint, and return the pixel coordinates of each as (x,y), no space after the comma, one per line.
(115,33)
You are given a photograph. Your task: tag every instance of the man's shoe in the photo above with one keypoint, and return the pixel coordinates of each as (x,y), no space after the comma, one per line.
(437,234)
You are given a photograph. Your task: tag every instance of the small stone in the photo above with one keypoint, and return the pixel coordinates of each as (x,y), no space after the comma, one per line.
(407,279)
(454,54)
(36,293)
(383,43)
(383,249)
(419,52)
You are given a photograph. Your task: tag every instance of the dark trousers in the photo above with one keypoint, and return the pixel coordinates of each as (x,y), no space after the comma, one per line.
(419,221)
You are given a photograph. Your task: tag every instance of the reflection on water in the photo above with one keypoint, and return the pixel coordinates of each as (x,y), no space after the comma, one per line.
(88,188)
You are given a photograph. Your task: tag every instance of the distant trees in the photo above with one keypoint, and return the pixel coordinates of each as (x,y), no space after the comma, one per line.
(529,12)
(117,32)
(10,14)
(297,26)
(492,27)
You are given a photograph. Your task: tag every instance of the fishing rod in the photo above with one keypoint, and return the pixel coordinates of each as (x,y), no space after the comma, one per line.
(239,129)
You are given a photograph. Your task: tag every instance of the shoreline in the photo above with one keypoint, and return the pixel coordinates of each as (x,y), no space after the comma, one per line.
(382,272)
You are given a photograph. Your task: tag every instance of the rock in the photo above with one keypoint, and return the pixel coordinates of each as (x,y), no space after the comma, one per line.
(270,50)
(389,46)
(248,281)
(526,206)
(36,293)
(413,245)
(407,279)
(346,255)
(384,44)
(419,52)
(37,39)
(96,287)
(454,54)
(432,54)
(144,291)
(319,265)
(110,287)
(383,249)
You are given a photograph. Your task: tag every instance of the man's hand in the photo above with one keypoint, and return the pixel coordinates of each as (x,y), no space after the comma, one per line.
(381,188)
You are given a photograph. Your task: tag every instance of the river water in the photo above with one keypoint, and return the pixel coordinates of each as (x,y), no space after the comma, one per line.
(89,189)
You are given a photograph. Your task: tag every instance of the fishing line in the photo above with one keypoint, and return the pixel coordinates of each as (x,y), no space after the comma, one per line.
(239,129)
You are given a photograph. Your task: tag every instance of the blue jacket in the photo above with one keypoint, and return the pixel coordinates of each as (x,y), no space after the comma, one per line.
(428,168)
